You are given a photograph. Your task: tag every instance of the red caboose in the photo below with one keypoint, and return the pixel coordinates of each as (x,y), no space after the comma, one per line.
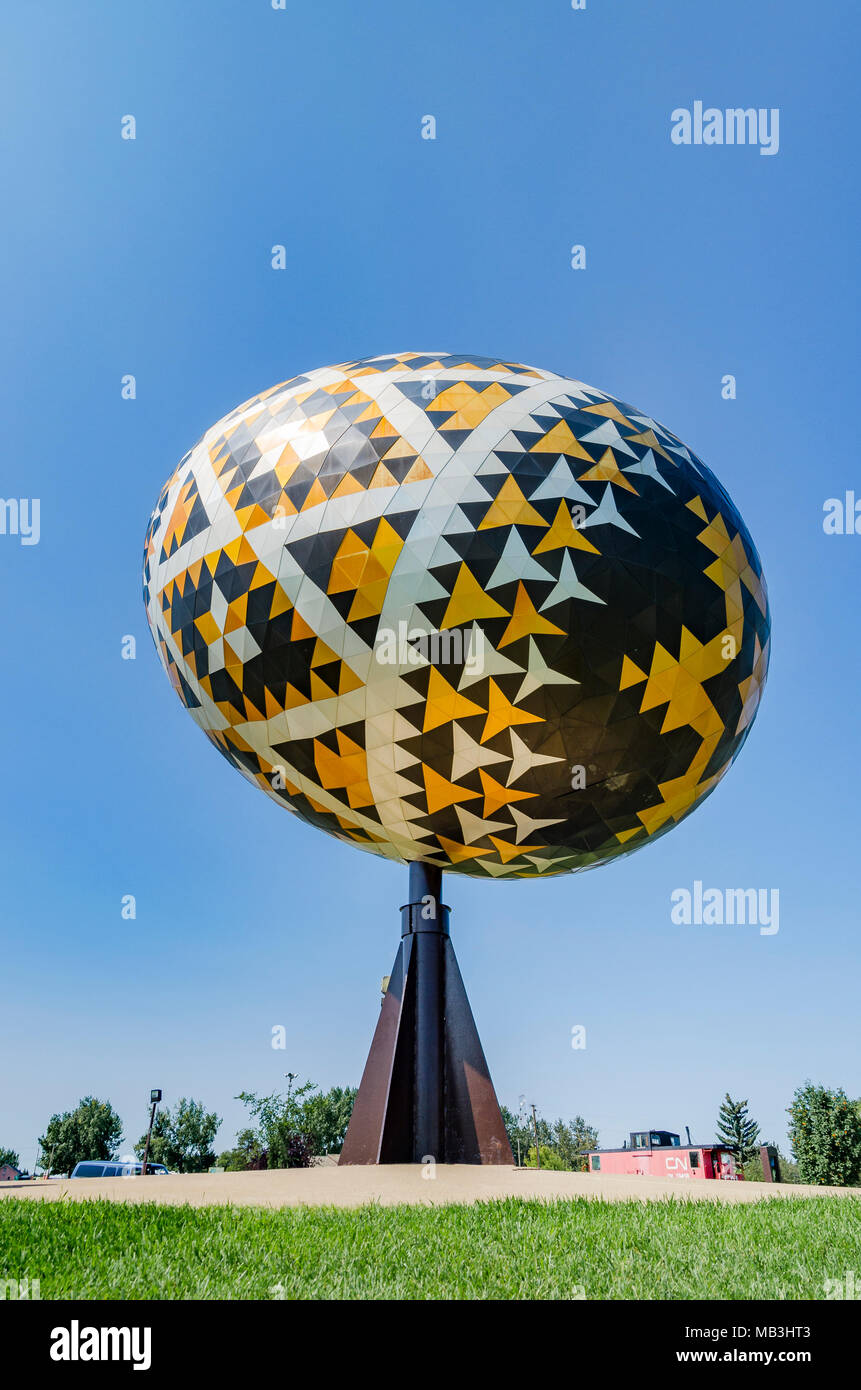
(659,1153)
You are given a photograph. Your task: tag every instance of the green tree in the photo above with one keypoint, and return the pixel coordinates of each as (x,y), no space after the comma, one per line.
(519,1127)
(293,1128)
(825,1134)
(92,1130)
(568,1142)
(788,1170)
(9,1156)
(246,1155)
(737,1130)
(325,1118)
(182,1138)
(550,1159)
(281,1125)
(573,1141)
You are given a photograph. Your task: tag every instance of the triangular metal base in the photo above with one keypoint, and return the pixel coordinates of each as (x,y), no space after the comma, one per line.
(426,1092)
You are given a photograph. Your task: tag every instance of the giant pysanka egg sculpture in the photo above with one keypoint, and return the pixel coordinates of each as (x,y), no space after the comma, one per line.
(459,610)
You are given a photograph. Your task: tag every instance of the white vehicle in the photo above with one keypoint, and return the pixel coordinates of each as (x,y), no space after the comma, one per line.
(95,1168)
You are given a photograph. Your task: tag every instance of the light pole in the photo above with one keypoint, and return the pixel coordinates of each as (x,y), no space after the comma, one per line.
(537,1147)
(155,1097)
(521,1107)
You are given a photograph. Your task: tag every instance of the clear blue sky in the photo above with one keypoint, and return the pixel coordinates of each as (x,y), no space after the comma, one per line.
(302,127)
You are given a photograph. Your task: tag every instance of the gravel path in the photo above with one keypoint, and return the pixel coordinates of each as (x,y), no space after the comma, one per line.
(393,1184)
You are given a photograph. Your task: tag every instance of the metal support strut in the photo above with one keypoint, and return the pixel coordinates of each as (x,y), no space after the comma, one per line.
(426,1092)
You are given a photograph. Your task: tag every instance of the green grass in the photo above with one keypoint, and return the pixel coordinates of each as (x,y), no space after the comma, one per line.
(497,1250)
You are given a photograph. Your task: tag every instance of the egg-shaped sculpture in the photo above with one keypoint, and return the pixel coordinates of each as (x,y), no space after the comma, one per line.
(459,610)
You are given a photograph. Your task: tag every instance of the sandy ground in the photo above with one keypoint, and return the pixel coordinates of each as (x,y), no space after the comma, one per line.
(393,1184)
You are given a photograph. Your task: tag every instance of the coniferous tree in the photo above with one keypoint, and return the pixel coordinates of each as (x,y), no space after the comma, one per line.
(566,1144)
(737,1130)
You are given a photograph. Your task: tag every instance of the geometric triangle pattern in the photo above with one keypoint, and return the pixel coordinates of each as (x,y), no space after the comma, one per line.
(460,610)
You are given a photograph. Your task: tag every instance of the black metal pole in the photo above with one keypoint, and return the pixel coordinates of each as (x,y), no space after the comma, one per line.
(537,1145)
(148,1137)
(425,919)
(426,1090)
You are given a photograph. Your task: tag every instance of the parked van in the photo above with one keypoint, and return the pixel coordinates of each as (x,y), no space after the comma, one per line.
(98,1169)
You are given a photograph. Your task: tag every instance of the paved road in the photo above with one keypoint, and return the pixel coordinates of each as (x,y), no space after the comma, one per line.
(399,1183)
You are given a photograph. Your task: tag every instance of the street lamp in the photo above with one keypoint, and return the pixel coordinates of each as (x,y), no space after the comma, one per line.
(155,1097)
(521,1111)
